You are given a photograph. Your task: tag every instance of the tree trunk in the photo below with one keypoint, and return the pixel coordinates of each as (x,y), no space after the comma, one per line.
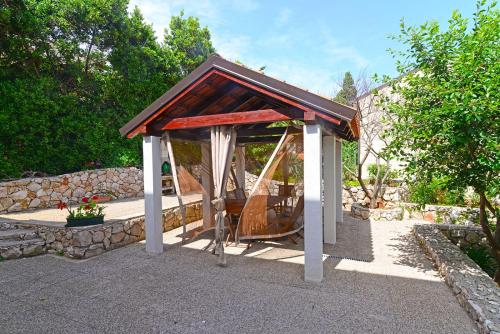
(483,219)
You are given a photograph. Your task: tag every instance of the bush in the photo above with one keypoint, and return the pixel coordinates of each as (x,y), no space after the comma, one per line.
(434,192)
(372,173)
(481,255)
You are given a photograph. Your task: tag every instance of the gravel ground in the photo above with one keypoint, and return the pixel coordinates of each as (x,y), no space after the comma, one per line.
(386,286)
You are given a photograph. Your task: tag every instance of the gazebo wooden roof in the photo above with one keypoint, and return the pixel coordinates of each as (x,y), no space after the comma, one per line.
(221,92)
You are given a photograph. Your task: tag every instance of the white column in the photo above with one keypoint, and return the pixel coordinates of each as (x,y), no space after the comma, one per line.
(329,205)
(313,213)
(207,182)
(152,194)
(338,181)
(240,166)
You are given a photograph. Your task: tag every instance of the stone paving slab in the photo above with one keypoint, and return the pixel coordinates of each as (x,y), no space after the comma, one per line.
(261,291)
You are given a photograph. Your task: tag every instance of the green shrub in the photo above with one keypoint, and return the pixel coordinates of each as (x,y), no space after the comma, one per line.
(372,173)
(481,254)
(351,183)
(434,192)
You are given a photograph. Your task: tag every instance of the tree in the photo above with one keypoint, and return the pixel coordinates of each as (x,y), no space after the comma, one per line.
(446,120)
(73,71)
(347,95)
(355,154)
(373,142)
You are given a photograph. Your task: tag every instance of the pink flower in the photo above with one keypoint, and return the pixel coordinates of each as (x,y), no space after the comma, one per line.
(85,200)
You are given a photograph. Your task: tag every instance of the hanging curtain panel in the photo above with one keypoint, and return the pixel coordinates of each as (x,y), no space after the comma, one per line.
(223,139)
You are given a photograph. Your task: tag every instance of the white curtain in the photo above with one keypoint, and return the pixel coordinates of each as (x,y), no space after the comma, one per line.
(223,139)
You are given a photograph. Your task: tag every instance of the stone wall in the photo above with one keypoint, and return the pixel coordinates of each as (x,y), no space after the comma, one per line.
(391,195)
(450,214)
(88,241)
(463,236)
(474,289)
(390,214)
(45,192)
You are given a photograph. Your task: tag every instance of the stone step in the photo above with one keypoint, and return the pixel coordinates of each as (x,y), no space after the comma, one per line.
(17,234)
(5,226)
(13,249)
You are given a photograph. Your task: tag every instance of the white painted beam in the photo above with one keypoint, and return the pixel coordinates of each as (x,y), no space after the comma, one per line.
(152,194)
(329,205)
(313,213)
(338,181)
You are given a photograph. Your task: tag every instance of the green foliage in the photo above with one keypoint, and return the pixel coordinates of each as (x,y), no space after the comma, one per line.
(482,255)
(349,159)
(73,71)
(347,95)
(435,191)
(446,124)
(257,156)
(351,183)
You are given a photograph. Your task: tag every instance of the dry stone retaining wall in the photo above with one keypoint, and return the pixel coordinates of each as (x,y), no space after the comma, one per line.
(390,214)
(45,192)
(391,195)
(474,289)
(85,242)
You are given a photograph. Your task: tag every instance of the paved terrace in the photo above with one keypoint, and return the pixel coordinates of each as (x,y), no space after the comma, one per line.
(388,286)
(114,211)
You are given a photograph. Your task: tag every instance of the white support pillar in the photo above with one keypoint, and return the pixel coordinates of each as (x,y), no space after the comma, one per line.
(207,182)
(313,213)
(152,194)
(338,181)
(240,166)
(329,204)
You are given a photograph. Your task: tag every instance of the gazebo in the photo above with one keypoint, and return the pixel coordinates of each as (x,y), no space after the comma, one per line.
(225,106)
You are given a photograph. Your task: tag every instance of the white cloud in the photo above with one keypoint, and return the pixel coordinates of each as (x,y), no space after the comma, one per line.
(159,12)
(244,5)
(307,76)
(283,16)
(339,52)
(332,56)
(232,47)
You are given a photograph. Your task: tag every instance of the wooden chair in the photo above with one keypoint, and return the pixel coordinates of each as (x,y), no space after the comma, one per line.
(284,223)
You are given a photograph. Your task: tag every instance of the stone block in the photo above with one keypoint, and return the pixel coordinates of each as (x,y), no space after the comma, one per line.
(33,250)
(95,249)
(35,203)
(11,252)
(18,195)
(117,237)
(98,236)
(118,227)
(33,186)
(82,239)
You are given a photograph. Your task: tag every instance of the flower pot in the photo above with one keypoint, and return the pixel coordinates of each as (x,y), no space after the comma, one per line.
(84,221)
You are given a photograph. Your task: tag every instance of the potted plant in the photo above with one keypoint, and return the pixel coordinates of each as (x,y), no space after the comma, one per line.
(88,213)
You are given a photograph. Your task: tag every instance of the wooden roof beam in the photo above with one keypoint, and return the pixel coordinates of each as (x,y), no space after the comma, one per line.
(243,117)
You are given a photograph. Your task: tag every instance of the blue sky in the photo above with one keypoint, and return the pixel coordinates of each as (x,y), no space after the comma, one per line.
(306,43)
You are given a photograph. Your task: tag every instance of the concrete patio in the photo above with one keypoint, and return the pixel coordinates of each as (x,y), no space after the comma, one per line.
(115,210)
(388,286)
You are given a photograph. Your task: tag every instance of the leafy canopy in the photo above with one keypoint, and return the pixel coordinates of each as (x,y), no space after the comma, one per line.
(446,120)
(73,71)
